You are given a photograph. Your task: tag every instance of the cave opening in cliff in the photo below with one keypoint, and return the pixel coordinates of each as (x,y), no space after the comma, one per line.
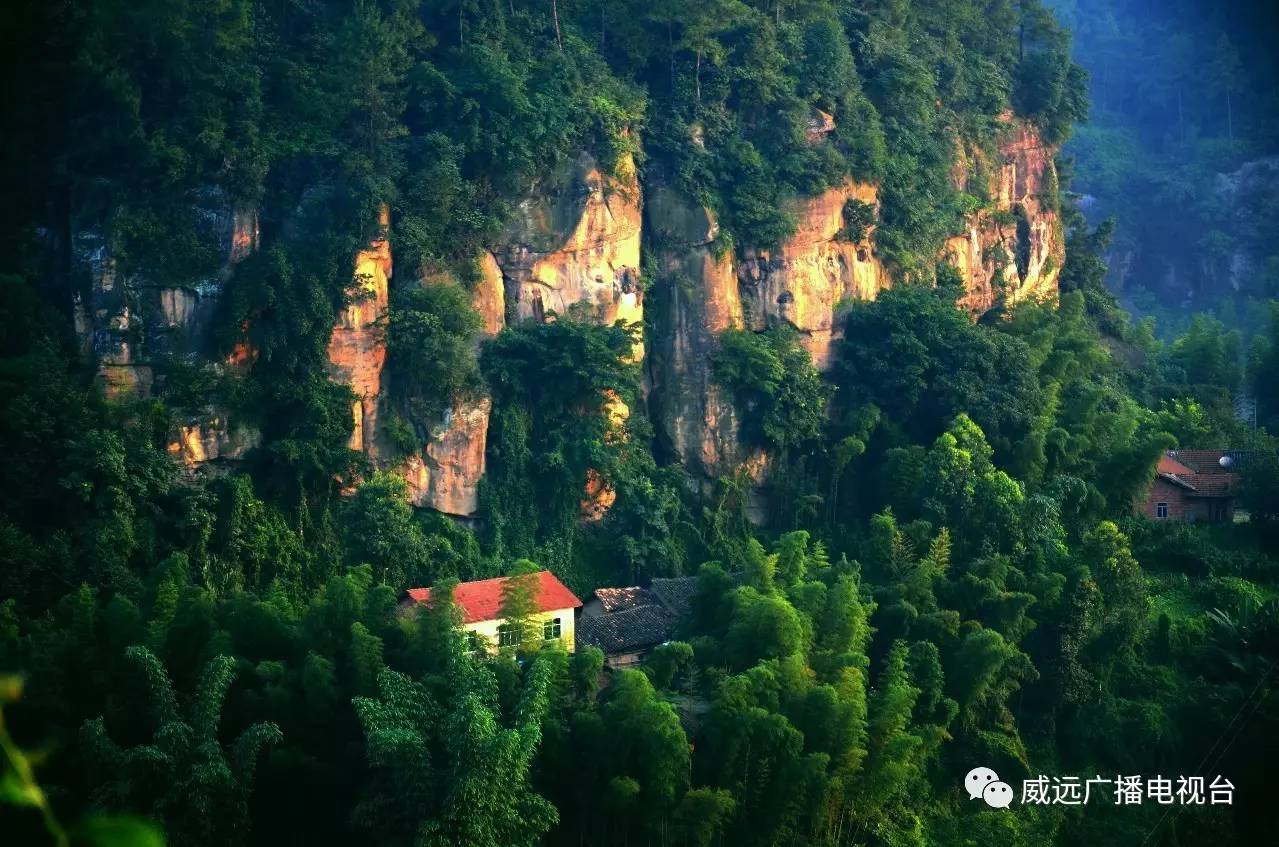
(1023,246)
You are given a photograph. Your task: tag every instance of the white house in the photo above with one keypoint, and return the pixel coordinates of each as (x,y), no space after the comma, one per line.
(481,605)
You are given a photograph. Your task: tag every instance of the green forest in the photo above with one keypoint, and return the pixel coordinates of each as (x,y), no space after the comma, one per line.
(942,568)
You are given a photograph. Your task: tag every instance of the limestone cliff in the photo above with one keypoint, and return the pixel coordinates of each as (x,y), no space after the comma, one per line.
(706,291)
(445,474)
(209,436)
(126,321)
(575,239)
(1014,251)
(357,347)
(805,278)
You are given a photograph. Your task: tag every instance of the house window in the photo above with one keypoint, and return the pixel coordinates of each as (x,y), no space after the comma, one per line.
(474,643)
(1161,510)
(508,635)
(551,629)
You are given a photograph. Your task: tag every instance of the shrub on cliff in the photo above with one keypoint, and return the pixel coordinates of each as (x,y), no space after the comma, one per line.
(781,396)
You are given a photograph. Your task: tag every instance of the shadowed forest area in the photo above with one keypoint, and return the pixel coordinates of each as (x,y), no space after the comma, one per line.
(1180,148)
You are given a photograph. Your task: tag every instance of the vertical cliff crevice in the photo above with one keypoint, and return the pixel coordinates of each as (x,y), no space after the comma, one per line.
(699,298)
(706,290)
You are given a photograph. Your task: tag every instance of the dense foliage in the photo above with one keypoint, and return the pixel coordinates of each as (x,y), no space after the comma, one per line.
(945,571)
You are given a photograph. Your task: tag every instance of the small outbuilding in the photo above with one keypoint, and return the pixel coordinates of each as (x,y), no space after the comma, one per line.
(627,623)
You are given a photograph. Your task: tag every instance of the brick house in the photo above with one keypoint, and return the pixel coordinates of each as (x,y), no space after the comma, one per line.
(1194,486)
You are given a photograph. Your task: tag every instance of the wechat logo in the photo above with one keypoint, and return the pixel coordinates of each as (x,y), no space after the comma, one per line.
(983,783)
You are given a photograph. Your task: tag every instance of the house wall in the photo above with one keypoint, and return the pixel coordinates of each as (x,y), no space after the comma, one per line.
(1210,509)
(621,661)
(488,629)
(1163,491)
(1184,506)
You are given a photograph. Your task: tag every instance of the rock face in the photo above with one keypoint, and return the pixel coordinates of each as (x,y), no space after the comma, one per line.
(445,474)
(598,495)
(115,328)
(357,347)
(803,281)
(692,410)
(210,437)
(574,247)
(708,291)
(129,320)
(1015,252)
(489,296)
(1248,198)
(1192,254)
(575,243)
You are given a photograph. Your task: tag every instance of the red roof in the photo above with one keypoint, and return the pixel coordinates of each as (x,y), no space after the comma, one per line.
(1168,464)
(1206,461)
(482,600)
(1200,471)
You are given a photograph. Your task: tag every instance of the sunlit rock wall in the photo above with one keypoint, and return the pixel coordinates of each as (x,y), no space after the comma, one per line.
(574,242)
(574,247)
(707,290)
(1015,251)
(445,475)
(802,282)
(357,347)
(209,436)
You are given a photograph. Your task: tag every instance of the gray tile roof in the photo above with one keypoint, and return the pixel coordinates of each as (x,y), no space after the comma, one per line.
(617,599)
(629,629)
(676,594)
